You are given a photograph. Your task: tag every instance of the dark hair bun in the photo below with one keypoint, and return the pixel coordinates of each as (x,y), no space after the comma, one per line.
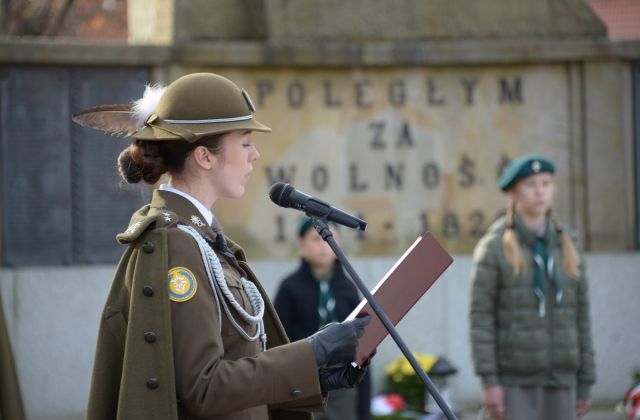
(141,161)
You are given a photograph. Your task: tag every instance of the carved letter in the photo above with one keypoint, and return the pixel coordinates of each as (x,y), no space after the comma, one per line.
(354,185)
(393,176)
(360,94)
(320,178)
(280,236)
(295,94)
(510,93)
(264,88)
(469,87)
(329,100)
(377,143)
(432,94)
(397,93)
(502,163)
(430,175)
(405,139)
(466,171)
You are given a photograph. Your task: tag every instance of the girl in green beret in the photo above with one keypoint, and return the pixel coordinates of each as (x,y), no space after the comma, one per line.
(529,315)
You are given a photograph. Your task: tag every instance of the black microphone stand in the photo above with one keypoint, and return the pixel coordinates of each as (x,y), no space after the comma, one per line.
(321,226)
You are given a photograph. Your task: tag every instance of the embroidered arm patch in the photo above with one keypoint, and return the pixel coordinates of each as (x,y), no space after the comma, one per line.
(182,284)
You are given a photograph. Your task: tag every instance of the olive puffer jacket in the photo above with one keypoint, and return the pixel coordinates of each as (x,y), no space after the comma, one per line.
(512,344)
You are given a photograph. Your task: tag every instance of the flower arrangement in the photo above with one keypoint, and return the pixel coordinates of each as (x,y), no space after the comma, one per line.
(402,379)
(383,406)
(630,406)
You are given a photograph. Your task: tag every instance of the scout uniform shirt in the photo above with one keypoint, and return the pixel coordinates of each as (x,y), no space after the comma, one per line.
(208,370)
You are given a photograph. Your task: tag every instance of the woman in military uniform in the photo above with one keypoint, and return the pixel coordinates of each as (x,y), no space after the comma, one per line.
(530,327)
(188,331)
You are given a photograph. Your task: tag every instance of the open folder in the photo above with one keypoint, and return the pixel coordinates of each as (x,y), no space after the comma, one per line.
(403,285)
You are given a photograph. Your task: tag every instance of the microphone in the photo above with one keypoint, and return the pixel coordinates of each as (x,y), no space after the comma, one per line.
(286,196)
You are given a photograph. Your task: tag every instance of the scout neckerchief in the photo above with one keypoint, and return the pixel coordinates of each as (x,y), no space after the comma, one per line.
(544,270)
(326,301)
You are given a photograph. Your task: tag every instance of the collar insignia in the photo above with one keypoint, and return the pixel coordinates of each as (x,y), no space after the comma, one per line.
(167,216)
(196,221)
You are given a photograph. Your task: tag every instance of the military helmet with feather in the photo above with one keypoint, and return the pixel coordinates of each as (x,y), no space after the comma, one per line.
(192,107)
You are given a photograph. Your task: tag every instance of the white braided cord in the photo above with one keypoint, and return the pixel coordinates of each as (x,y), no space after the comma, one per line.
(223,295)
(210,120)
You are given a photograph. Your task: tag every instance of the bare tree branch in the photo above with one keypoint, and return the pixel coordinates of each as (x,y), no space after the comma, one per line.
(57,24)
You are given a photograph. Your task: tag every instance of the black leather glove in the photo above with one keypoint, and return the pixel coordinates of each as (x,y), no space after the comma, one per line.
(336,343)
(341,376)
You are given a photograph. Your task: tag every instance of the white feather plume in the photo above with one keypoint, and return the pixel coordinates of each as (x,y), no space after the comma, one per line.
(145,106)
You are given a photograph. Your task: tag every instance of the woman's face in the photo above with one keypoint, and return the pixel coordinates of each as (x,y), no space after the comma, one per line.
(233,165)
(533,194)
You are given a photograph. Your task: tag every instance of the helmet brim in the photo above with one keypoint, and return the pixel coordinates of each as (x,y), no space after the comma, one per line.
(155,131)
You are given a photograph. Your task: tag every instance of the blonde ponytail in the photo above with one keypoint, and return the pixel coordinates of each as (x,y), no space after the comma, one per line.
(511,244)
(570,256)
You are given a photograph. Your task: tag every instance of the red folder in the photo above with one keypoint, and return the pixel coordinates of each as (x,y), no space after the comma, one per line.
(405,283)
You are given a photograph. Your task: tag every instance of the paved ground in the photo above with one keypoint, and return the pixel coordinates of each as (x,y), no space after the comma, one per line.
(601,414)
(595,414)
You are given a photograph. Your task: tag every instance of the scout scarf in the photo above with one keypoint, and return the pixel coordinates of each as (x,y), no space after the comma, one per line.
(223,295)
(544,270)
(326,304)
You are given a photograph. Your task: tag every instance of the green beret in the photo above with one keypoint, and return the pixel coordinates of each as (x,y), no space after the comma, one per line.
(523,167)
(305,224)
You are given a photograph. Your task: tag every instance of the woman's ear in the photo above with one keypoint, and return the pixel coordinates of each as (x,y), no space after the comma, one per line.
(202,157)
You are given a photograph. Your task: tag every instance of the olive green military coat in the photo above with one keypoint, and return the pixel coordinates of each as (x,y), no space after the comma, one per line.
(168,358)
(511,343)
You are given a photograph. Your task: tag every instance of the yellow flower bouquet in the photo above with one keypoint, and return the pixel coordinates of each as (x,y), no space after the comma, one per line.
(402,379)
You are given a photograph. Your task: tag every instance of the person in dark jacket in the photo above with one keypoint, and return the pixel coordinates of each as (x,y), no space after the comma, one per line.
(530,325)
(314,295)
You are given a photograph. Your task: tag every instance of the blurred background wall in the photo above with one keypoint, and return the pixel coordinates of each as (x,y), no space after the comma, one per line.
(403,112)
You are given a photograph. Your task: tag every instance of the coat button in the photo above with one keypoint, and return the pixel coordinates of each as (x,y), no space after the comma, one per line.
(147,291)
(150,337)
(153,383)
(148,247)
(296,393)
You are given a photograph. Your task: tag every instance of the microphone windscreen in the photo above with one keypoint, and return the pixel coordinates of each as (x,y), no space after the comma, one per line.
(279,193)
